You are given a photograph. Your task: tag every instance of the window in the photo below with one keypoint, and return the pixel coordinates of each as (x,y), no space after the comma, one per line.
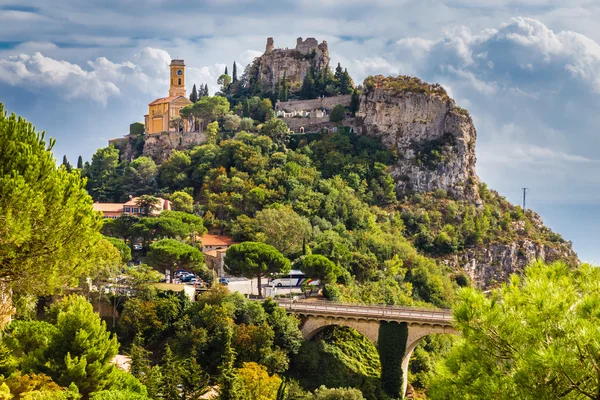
(179,81)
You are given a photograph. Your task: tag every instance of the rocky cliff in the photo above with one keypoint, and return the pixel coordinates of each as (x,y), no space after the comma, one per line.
(158,146)
(491,265)
(435,139)
(435,143)
(295,63)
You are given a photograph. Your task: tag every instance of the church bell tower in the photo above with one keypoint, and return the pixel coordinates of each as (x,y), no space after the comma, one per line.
(177,87)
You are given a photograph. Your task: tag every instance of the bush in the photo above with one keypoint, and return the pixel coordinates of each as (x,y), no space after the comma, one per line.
(324,393)
(338,113)
(332,292)
(136,129)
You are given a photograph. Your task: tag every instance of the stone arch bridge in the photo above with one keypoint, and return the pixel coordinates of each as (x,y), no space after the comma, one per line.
(366,319)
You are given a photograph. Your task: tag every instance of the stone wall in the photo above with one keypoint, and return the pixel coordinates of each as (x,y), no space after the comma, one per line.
(159,146)
(327,103)
(315,124)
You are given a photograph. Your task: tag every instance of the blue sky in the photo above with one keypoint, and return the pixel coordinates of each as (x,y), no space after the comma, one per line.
(527,70)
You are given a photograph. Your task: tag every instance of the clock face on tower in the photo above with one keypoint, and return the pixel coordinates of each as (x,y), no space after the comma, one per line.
(179,72)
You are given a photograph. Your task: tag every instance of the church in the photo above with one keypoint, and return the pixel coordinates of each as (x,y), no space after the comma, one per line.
(161,111)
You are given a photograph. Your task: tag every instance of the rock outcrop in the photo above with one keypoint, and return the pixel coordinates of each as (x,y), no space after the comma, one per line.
(434,139)
(160,146)
(157,146)
(271,67)
(493,264)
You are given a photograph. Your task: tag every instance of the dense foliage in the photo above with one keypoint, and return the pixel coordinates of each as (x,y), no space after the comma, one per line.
(392,344)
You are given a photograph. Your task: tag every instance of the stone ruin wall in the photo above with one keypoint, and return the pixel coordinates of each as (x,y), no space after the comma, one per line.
(308,105)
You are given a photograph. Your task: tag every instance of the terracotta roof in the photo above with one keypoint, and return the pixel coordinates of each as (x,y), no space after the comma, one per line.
(163,100)
(168,100)
(108,207)
(216,240)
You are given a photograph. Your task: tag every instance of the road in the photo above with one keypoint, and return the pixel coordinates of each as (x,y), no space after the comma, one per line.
(440,316)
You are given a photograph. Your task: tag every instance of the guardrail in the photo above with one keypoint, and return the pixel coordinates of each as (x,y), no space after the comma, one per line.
(369,311)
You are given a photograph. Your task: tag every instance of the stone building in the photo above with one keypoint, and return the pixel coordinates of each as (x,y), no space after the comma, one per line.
(293,63)
(161,111)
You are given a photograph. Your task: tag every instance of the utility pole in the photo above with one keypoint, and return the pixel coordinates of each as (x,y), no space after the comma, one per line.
(524,197)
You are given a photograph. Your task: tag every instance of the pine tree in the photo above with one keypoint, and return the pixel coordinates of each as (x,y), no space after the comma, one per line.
(171,373)
(230,385)
(346,84)
(140,363)
(194,380)
(338,72)
(194,94)
(80,163)
(246,109)
(234,77)
(307,90)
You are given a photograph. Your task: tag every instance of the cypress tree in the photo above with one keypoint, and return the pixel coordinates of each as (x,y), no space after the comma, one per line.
(171,373)
(140,363)
(246,109)
(226,70)
(79,163)
(206,90)
(230,385)
(284,88)
(194,94)
(65,161)
(354,101)
(235,77)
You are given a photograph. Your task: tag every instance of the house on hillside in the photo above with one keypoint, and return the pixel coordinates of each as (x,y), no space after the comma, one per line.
(214,248)
(115,210)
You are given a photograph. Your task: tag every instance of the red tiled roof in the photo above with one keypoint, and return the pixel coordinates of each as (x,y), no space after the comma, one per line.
(216,240)
(108,207)
(167,100)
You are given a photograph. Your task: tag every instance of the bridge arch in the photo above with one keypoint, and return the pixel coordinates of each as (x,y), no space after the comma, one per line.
(313,324)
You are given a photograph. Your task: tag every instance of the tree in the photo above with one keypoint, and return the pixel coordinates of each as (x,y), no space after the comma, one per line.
(354,101)
(320,267)
(230,385)
(246,109)
(66,163)
(284,88)
(277,130)
(212,132)
(282,228)
(170,254)
(520,342)
(231,122)
(226,70)
(346,84)
(247,124)
(139,177)
(338,113)
(181,201)
(49,227)
(224,80)
(171,372)
(255,260)
(234,73)
(103,178)
(206,93)
(148,204)
(194,95)
(81,350)
(79,163)
(258,385)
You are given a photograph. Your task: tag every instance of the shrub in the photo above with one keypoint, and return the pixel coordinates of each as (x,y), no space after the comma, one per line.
(338,113)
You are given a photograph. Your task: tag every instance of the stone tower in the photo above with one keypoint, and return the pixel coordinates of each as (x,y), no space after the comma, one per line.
(270,45)
(177,87)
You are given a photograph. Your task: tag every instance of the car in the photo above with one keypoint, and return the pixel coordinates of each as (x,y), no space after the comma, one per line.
(224,281)
(187,278)
(137,247)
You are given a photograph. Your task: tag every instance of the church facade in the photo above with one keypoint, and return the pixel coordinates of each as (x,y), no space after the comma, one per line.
(166,109)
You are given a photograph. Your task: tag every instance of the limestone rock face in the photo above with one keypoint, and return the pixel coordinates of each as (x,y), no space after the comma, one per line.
(434,139)
(160,146)
(488,266)
(293,63)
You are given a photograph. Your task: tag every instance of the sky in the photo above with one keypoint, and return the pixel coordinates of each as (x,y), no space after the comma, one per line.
(527,70)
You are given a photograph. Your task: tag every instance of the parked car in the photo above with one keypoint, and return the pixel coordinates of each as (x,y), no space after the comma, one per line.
(137,247)
(224,281)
